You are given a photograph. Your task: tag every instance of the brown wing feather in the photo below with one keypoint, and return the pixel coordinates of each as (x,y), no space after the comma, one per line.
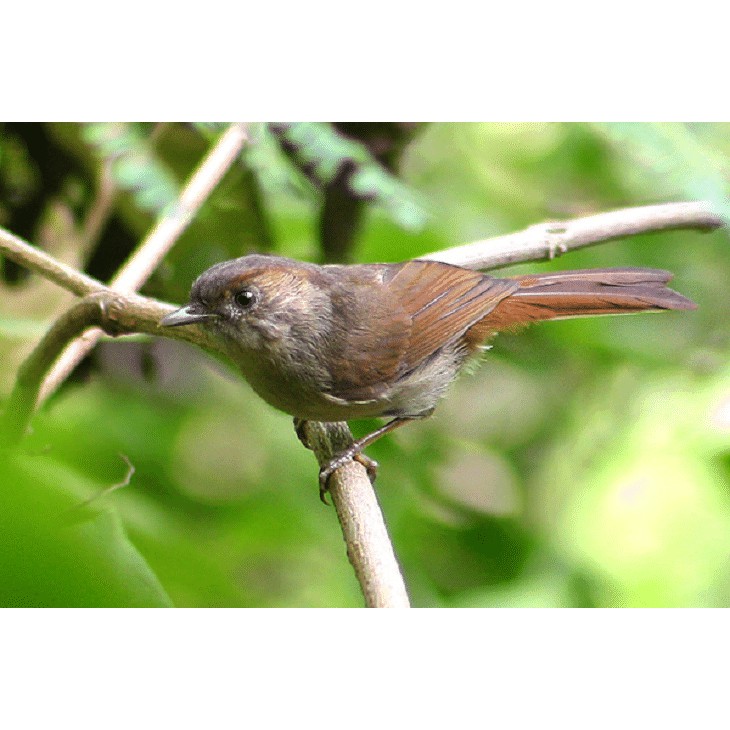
(442,302)
(425,305)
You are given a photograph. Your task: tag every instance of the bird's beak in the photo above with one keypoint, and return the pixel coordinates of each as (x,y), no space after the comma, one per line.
(190,314)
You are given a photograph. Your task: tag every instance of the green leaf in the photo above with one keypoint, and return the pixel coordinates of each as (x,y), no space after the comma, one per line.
(57,554)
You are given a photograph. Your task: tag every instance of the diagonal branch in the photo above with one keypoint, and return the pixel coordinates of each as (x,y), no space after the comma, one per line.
(21,404)
(157,244)
(22,253)
(538,242)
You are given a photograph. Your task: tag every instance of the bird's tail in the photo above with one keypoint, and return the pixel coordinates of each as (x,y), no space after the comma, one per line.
(588,292)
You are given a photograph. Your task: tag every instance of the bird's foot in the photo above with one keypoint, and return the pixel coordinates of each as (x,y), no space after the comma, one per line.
(353,453)
(371,467)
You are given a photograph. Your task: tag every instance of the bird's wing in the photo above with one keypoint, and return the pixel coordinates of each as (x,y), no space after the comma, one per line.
(441,302)
(419,307)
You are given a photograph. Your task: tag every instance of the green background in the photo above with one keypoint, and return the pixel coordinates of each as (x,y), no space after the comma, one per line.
(585,463)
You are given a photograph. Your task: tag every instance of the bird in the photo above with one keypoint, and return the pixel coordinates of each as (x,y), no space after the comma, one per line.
(344,342)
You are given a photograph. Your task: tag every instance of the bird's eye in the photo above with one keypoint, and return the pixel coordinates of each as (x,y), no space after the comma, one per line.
(245,298)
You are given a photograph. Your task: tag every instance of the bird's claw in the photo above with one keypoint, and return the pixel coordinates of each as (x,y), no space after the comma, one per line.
(371,467)
(324,477)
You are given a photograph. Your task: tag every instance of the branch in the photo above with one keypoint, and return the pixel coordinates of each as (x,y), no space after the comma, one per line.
(547,240)
(114,313)
(99,211)
(157,244)
(21,403)
(16,249)
(544,240)
(368,544)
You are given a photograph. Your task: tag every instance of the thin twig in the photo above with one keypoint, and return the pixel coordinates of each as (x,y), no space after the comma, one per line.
(157,244)
(99,210)
(113,487)
(548,240)
(18,250)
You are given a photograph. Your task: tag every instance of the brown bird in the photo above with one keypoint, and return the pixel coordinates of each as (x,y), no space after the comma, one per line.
(334,343)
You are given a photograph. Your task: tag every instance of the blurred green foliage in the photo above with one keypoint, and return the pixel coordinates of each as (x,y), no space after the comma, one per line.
(134,165)
(324,154)
(585,463)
